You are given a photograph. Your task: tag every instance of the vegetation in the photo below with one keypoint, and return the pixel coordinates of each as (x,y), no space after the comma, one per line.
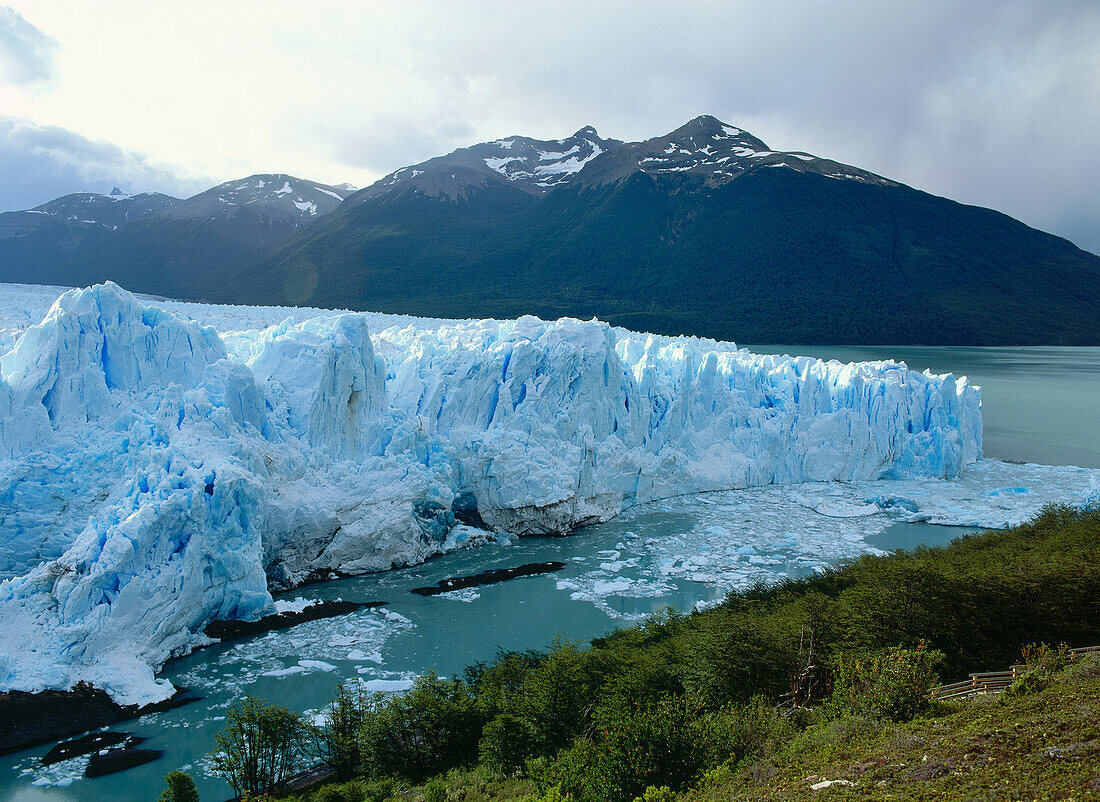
(826,675)
(181,788)
(259,748)
(773,256)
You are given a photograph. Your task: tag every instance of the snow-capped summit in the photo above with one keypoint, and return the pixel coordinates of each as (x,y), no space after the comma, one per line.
(708,151)
(275,194)
(533,165)
(85,210)
(704,152)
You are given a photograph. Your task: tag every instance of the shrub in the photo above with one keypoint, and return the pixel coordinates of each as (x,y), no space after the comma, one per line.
(558,696)
(892,682)
(344,792)
(336,740)
(655,746)
(753,730)
(435,791)
(655,794)
(181,788)
(506,743)
(1040,662)
(259,748)
(434,727)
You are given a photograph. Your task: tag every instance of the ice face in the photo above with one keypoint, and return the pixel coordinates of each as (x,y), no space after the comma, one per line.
(158,475)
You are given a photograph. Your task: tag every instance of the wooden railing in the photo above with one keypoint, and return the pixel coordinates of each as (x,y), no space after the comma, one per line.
(993,681)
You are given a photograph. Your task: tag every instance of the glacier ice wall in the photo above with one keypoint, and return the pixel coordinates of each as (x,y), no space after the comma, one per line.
(156,475)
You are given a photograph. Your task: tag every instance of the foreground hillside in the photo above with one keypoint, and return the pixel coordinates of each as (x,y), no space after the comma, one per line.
(778,689)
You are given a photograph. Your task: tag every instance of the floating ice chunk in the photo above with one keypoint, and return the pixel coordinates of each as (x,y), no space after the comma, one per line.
(316,665)
(298,605)
(388,685)
(285,672)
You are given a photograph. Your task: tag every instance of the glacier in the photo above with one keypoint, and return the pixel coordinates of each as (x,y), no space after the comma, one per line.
(157,474)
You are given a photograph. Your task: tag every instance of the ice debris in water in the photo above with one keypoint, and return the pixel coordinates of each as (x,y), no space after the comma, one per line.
(158,475)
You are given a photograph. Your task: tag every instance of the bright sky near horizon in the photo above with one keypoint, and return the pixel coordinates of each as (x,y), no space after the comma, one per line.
(993,102)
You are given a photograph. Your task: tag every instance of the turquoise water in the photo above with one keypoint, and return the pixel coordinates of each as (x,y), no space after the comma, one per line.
(1040,405)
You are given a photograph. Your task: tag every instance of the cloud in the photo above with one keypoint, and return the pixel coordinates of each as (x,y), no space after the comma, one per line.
(42,162)
(27,55)
(991,102)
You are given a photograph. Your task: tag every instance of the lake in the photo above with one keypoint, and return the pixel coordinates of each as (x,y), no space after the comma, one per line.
(1039,404)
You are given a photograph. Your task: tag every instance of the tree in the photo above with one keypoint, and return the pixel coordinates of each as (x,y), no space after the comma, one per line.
(336,740)
(181,788)
(260,746)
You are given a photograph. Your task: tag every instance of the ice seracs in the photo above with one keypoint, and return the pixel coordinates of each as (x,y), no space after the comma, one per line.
(158,474)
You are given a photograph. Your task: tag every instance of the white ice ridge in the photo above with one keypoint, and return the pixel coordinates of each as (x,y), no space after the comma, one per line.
(156,475)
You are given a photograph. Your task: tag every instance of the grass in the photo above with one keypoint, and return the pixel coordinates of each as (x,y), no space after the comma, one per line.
(1040,745)
(1043,745)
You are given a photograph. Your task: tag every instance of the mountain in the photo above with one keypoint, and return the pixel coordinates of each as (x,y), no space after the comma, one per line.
(534,166)
(155,242)
(183,250)
(36,244)
(704,231)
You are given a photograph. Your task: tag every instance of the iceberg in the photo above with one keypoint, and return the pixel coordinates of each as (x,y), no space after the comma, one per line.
(157,474)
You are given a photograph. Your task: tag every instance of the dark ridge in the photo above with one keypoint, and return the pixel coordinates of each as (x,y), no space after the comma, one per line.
(89,743)
(30,719)
(119,760)
(228,630)
(489,577)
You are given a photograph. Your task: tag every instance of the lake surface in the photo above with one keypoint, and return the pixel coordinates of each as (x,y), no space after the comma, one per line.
(1039,404)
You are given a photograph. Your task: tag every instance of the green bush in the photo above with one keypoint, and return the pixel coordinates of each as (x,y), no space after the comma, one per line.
(1040,663)
(259,748)
(893,682)
(435,791)
(656,746)
(336,740)
(506,743)
(753,730)
(343,792)
(655,794)
(434,727)
(558,696)
(181,788)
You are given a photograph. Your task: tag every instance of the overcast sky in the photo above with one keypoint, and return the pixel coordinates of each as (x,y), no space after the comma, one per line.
(993,102)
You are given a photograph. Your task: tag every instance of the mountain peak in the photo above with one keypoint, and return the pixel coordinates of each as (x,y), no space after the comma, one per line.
(588,130)
(117,191)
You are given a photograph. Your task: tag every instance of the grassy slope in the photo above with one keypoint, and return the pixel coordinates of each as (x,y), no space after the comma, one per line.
(1043,745)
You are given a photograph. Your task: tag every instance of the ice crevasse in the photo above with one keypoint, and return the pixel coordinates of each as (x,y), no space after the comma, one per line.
(156,475)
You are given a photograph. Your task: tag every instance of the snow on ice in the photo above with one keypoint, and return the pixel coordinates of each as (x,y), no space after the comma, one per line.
(157,474)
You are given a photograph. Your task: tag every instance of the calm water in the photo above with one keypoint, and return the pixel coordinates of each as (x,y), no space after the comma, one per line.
(1039,404)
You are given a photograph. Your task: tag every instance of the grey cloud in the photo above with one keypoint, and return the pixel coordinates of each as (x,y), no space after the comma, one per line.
(42,162)
(383,144)
(993,102)
(26,53)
